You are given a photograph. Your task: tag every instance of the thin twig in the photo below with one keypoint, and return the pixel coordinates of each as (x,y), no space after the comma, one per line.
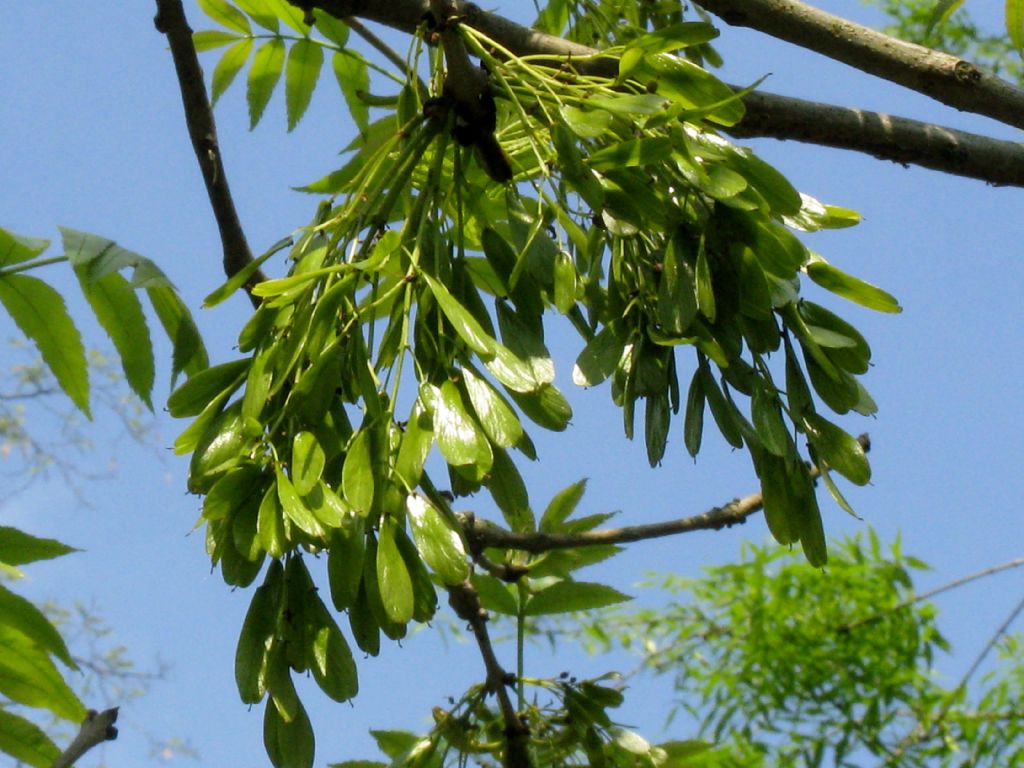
(170,20)
(466,604)
(932,593)
(922,731)
(96,728)
(482,533)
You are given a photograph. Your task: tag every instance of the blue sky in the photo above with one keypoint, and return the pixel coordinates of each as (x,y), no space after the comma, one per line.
(92,137)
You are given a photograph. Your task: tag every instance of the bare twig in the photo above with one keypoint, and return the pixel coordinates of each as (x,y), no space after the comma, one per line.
(170,20)
(948,79)
(482,533)
(466,604)
(96,728)
(932,593)
(924,730)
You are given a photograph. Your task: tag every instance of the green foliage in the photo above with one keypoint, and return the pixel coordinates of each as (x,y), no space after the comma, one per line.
(414,315)
(28,639)
(775,659)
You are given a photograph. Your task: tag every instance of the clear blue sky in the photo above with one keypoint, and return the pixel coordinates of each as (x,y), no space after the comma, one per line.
(92,137)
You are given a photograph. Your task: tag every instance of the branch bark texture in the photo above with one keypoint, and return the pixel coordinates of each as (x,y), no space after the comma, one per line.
(886,137)
(95,729)
(954,82)
(170,20)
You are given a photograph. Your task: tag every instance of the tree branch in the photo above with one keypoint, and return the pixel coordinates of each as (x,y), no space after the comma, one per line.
(482,533)
(466,604)
(948,79)
(170,20)
(96,728)
(886,137)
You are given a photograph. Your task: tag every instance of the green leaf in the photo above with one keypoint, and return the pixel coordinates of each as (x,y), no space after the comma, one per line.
(345,564)
(465,325)
(629,104)
(852,288)
(202,389)
(291,14)
(657,418)
(677,291)
(25,741)
(333,29)
(260,12)
(767,417)
(1015,23)
(232,491)
(357,479)
(459,437)
(512,371)
(119,312)
(705,287)
(693,424)
(561,507)
(302,71)
(353,78)
(943,10)
(228,67)
(545,406)
(295,508)
(264,75)
(509,492)
(39,311)
(393,575)
(270,524)
(254,640)
(15,249)
(288,744)
(600,357)
(569,596)
(779,500)
(775,188)
(838,449)
(211,39)
(495,595)
(29,677)
(720,409)
(331,661)
(226,15)
(20,614)
(308,461)
(586,123)
(189,353)
(19,548)
(499,421)
(632,152)
(565,282)
(415,446)
(525,342)
(438,542)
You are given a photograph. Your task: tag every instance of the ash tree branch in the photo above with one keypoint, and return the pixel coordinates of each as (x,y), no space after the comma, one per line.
(466,604)
(95,729)
(482,534)
(947,79)
(170,20)
(886,137)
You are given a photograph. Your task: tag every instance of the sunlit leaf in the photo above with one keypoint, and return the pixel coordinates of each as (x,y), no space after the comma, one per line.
(301,74)
(264,74)
(40,313)
(568,596)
